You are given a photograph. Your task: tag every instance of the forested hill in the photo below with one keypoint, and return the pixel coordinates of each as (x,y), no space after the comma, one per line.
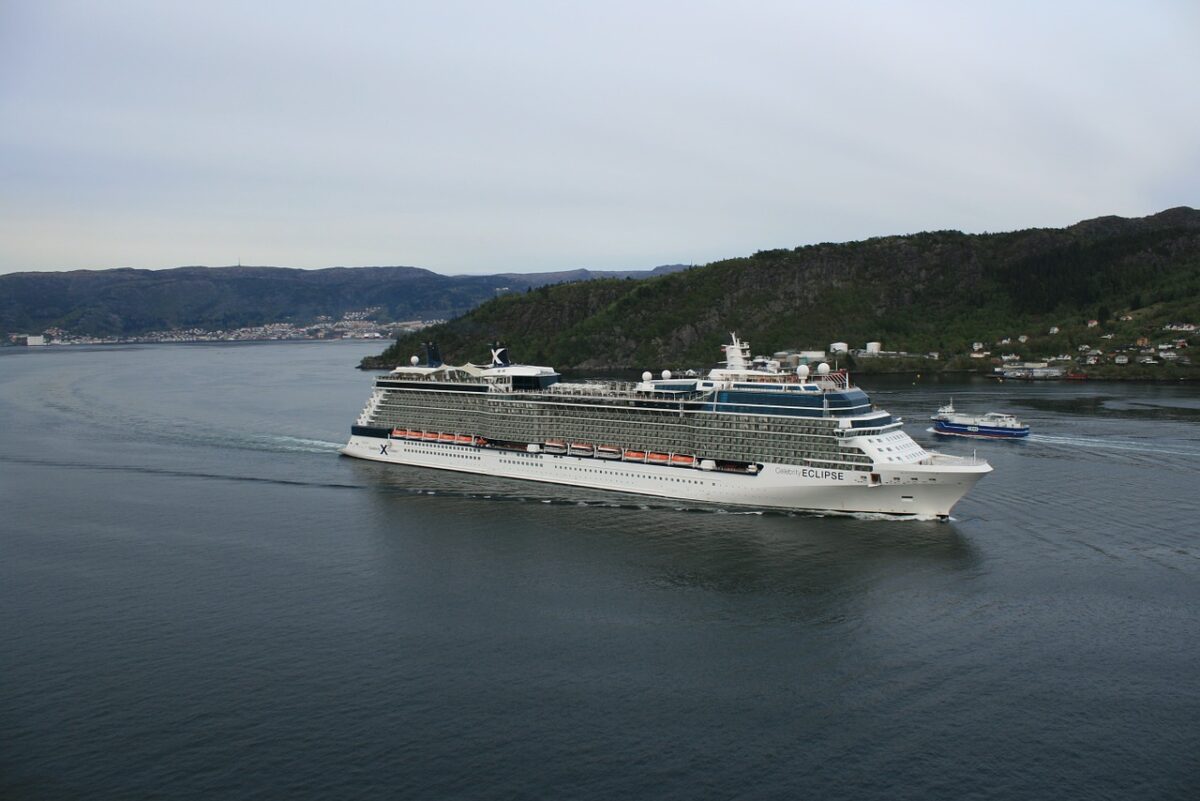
(936,291)
(125,301)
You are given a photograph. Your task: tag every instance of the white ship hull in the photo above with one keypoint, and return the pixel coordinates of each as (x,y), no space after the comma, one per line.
(923,490)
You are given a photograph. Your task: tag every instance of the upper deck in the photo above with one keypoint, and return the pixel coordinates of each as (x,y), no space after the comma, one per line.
(741,387)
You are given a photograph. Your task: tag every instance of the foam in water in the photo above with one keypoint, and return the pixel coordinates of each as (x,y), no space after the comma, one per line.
(1108,443)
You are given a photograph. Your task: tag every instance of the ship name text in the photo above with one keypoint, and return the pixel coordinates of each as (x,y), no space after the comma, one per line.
(812,472)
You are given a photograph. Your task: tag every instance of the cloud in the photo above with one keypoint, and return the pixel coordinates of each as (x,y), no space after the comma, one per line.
(470,138)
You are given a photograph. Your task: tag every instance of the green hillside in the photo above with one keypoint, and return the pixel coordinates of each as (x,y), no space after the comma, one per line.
(937,291)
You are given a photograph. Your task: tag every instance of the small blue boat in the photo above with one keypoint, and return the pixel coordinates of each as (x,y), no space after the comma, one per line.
(993,425)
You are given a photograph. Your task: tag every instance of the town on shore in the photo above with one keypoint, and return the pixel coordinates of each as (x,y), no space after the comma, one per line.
(352,325)
(1105,354)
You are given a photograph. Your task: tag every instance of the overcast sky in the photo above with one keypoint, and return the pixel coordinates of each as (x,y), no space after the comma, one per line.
(470,137)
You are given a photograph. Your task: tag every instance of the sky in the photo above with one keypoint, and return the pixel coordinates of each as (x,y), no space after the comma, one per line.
(481,137)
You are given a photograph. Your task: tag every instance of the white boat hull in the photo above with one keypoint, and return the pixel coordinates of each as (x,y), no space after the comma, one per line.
(922,490)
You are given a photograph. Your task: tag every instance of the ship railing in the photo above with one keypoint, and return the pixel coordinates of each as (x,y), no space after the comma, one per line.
(608,389)
(839,379)
(850,433)
(430,379)
(592,387)
(946,458)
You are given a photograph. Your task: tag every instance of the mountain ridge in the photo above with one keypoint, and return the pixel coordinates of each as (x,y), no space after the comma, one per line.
(124,301)
(929,291)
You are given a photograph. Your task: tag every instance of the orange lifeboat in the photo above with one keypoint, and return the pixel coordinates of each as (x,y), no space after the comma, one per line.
(429,436)
(635,456)
(581,449)
(682,460)
(608,452)
(412,434)
(398,433)
(658,458)
(446,438)
(463,439)
(555,446)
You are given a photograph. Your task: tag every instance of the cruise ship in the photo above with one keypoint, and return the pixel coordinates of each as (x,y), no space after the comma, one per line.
(748,434)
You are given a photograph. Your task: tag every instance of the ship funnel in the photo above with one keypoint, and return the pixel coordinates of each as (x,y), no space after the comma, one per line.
(433,357)
(500,355)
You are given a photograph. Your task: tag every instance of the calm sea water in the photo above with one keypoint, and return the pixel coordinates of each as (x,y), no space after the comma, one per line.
(200,599)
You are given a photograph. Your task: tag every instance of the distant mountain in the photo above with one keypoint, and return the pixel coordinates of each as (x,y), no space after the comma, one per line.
(126,301)
(935,291)
(567,276)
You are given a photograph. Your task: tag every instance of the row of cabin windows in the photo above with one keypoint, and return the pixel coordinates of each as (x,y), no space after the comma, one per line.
(850,461)
(397,413)
(681,435)
(475,403)
(610,435)
(431,419)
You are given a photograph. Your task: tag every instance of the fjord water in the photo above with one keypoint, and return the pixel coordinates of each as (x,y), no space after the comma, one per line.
(200,599)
